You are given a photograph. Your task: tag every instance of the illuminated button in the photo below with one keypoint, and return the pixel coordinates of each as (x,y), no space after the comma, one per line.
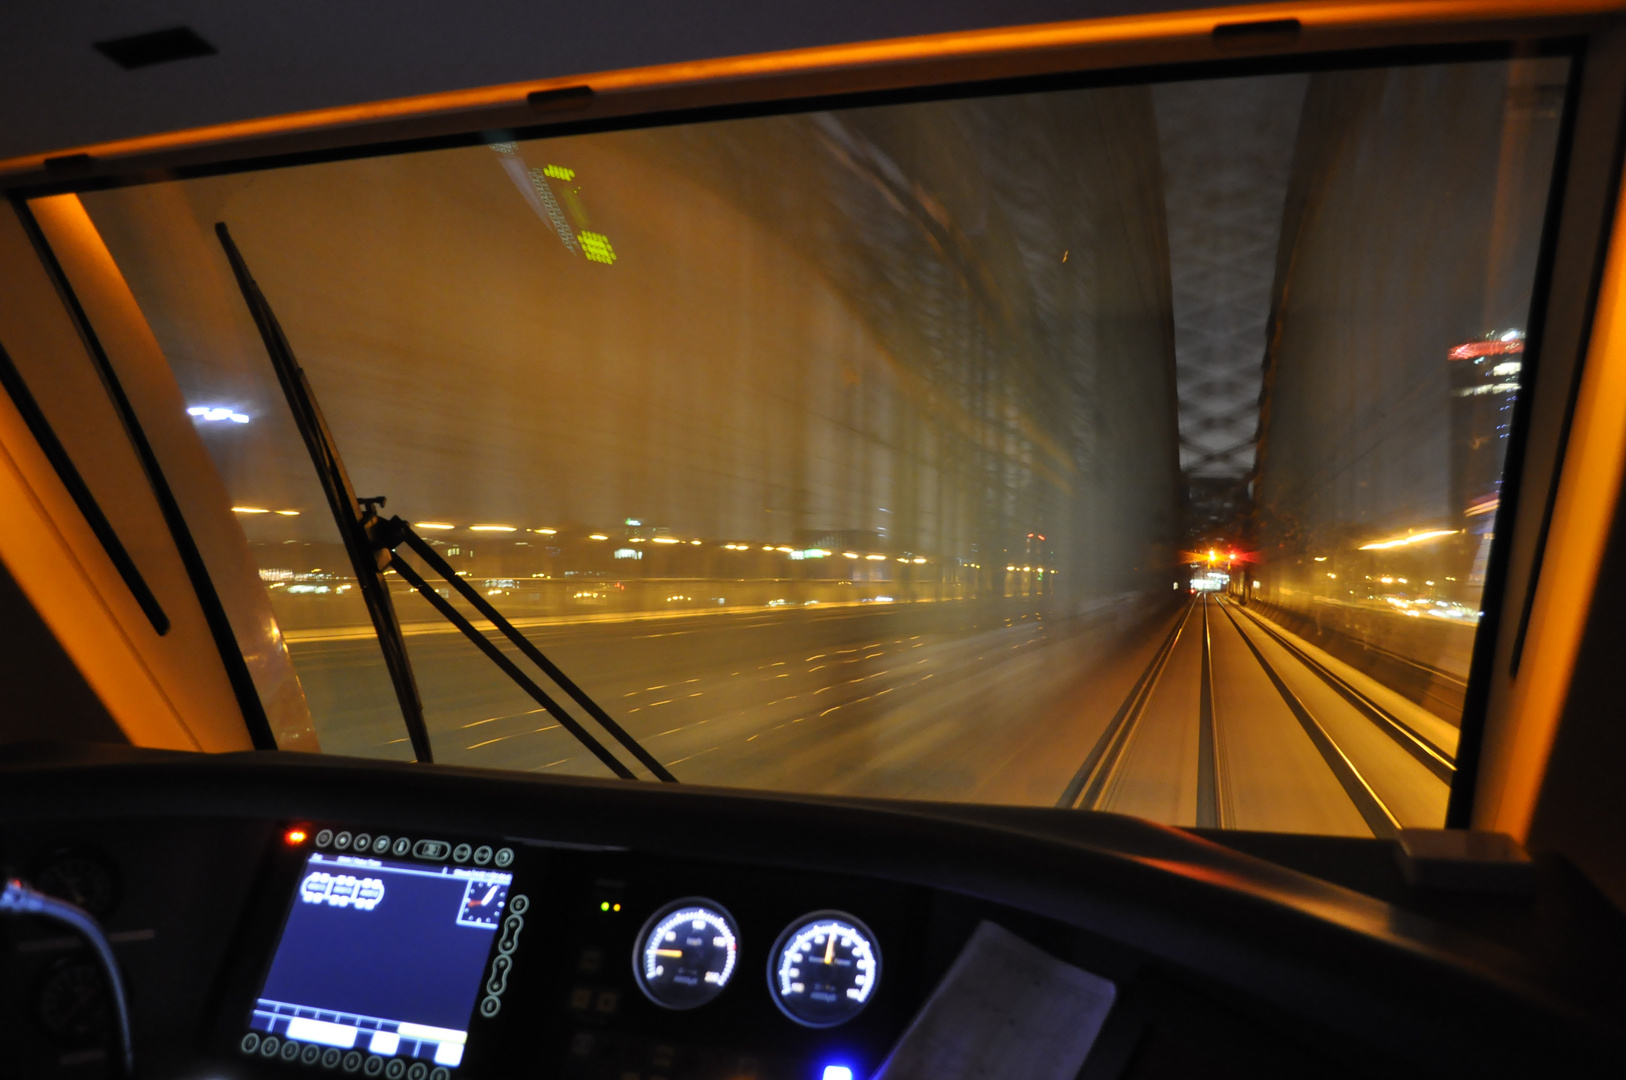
(324,838)
(363,841)
(461,853)
(352,1061)
(607,1001)
(310,1054)
(381,845)
(498,982)
(581,997)
(250,1043)
(505,856)
(490,1006)
(418,1071)
(330,1058)
(374,1066)
(511,927)
(482,855)
(269,1046)
(430,849)
(342,841)
(395,1069)
(519,905)
(402,846)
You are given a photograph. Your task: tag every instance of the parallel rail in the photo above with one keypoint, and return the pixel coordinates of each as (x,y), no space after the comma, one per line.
(1092,783)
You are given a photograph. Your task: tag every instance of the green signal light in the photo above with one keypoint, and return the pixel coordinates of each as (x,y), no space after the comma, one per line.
(596,246)
(605,906)
(559,172)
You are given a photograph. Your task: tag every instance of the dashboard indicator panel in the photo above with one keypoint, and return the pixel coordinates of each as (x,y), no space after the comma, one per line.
(824,969)
(686,953)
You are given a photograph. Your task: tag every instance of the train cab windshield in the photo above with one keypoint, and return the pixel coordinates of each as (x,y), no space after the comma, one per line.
(1125,447)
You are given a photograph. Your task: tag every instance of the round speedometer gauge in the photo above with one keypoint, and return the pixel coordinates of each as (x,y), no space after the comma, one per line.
(825,969)
(686,953)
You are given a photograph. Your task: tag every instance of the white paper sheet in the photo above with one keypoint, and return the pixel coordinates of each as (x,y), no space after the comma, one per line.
(1005,1010)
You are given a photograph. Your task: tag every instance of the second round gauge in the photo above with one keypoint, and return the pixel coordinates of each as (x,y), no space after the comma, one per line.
(686,953)
(824,969)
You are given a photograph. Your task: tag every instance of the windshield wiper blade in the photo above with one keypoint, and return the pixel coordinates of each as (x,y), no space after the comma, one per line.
(341,497)
(371,541)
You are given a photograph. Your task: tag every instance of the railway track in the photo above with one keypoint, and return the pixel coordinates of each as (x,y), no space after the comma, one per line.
(1337,725)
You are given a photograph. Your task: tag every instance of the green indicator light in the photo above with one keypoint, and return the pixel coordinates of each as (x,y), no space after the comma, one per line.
(604,906)
(596,246)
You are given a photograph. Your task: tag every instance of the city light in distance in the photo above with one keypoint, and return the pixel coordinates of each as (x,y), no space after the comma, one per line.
(875,558)
(492,528)
(597,536)
(249,510)
(433,525)
(1320,558)
(850,554)
(215,412)
(667,540)
(288,513)
(545,532)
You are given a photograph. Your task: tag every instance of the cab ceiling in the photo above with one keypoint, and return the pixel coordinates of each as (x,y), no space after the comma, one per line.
(57,91)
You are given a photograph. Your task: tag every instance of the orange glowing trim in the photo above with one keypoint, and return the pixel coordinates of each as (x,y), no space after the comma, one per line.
(1107,37)
(1513,762)
(294,837)
(433,525)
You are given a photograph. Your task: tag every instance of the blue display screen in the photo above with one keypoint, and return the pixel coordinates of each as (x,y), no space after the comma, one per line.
(382,957)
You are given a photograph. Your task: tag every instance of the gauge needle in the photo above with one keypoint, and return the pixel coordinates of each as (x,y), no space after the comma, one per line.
(830,949)
(669,952)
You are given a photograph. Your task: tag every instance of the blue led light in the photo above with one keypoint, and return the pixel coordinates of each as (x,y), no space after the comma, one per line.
(837,1072)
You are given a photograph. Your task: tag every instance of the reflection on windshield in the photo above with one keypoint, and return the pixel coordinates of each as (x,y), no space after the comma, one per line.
(1131,448)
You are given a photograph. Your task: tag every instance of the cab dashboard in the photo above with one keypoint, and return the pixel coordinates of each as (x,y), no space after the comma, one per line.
(292,915)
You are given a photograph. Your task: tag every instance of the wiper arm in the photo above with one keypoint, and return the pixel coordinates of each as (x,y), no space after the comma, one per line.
(395,532)
(351,517)
(371,543)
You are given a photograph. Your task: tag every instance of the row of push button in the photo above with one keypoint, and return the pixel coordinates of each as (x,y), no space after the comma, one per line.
(436,850)
(507,942)
(331,1057)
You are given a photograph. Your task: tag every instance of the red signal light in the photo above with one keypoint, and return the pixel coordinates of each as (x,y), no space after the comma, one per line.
(295,837)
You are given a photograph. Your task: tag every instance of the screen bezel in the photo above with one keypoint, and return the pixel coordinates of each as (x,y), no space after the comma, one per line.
(265,918)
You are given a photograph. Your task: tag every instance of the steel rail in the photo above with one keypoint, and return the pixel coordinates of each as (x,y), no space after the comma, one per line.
(1084,791)
(1432,757)
(1377,815)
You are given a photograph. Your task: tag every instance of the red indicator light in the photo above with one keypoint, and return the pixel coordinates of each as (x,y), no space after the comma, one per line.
(294,837)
